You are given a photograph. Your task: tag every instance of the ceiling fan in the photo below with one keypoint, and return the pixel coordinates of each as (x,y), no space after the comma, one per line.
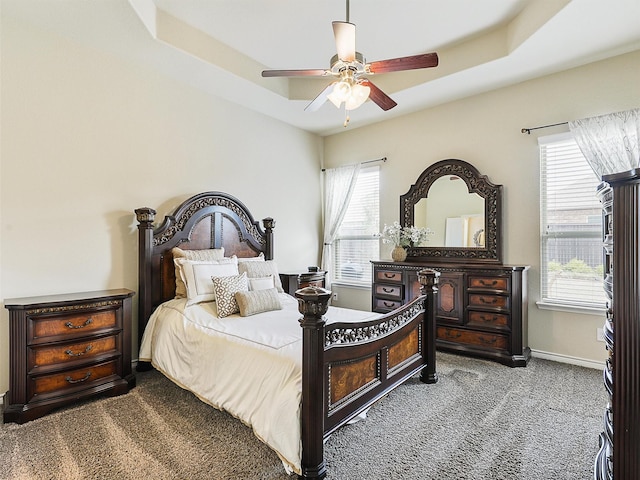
(350,70)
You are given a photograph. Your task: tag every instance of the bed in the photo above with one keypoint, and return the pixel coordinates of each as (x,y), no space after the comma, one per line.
(297,370)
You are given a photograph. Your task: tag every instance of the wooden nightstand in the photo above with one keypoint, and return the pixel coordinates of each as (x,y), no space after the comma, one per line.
(64,348)
(296,280)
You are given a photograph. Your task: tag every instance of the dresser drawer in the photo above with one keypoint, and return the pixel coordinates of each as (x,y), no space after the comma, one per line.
(493,301)
(469,337)
(42,327)
(388,291)
(42,356)
(488,283)
(388,276)
(385,305)
(488,320)
(57,383)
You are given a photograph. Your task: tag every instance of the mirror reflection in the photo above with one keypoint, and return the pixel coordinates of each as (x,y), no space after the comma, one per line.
(454,216)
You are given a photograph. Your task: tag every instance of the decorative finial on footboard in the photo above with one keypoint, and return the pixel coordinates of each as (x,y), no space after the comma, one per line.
(145,215)
(428,280)
(269,224)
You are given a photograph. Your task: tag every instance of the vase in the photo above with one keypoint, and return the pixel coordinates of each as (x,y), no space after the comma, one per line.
(399,254)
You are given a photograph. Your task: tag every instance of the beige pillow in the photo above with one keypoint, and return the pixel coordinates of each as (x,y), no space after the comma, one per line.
(196,276)
(259,258)
(200,255)
(258,301)
(225,289)
(261,283)
(262,269)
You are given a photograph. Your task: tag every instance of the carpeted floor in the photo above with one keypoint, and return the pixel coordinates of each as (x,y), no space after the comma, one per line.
(482,420)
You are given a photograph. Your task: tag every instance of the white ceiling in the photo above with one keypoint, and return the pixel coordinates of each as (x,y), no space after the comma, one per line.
(221,46)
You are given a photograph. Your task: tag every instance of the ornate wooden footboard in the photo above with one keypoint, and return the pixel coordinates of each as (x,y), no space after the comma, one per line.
(346,367)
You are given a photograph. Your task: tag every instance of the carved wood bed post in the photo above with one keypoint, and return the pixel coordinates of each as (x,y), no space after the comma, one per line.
(269,224)
(428,280)
(145,217)
(313,303)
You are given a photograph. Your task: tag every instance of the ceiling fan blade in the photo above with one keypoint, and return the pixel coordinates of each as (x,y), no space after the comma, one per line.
(384,101)
(294,73)
(345,35)
(424,60)
(320,99)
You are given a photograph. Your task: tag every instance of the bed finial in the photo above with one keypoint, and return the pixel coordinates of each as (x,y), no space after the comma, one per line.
(145,215)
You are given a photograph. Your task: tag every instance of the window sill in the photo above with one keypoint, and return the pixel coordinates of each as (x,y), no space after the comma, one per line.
(342,283)
(599,311)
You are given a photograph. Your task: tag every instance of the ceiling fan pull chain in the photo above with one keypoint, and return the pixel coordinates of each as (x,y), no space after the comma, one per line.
(346,118)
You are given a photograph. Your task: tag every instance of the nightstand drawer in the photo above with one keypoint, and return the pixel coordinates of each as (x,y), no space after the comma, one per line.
(388,276)
(385,305)
(41,327)
(61,353)
(79,377)
(493,301)
(388,291)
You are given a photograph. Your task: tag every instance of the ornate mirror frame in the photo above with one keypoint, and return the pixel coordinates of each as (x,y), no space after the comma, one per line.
(476,183)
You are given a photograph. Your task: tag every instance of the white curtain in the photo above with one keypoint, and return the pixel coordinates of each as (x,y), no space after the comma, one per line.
(609,142)
(338,187)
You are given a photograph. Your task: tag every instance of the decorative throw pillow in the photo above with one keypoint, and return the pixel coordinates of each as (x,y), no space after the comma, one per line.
(225,289)
(261,283)
(258,301)
(262,269)
(196,276)
(200,255)
(259,258)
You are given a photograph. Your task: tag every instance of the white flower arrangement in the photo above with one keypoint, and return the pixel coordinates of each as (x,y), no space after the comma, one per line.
(401,236)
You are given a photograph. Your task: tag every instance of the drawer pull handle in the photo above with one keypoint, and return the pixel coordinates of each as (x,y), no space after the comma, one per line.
(488,341)
(88,322)
(489,284)
(488,319)
(86,350)
(388,290)
(389,275)
(83,379)
(493,301)
(388,304)
(450,334)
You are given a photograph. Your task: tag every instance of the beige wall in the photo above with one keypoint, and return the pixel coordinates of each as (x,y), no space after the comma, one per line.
(485,131)
(87,138)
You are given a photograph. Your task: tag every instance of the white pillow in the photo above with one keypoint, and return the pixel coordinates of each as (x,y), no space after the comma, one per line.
(196,276)
(225,289)
(200,255)
(261,283)
(262,269)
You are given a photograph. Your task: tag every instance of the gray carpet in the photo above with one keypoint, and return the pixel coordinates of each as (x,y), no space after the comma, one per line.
(482,420)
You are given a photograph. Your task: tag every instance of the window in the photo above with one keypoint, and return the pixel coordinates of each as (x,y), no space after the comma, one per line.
(356,243)
(571,226)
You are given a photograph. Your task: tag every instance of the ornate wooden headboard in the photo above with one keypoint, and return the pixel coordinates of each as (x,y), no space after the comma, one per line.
(206,220)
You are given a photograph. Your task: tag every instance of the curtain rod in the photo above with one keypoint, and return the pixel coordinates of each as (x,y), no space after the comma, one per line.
(383,159)
(528,130)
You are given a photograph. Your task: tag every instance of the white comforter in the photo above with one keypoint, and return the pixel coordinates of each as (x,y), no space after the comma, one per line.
(250,367)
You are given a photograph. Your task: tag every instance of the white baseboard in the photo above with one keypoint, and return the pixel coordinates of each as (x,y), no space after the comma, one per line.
(557,357)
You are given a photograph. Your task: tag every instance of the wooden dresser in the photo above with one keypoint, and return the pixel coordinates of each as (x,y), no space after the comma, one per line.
(481,310)
(64,348)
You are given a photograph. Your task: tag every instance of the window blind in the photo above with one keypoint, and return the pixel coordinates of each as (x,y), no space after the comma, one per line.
(356,243)
(571,225)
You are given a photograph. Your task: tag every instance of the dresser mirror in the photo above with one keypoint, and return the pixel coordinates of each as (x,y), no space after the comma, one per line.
(461,208)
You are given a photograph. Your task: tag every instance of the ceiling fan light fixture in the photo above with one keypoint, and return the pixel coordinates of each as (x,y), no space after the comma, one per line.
(341,93)
(359,95)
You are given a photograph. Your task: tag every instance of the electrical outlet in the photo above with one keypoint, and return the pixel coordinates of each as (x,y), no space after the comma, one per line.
(600,335)
(334,296)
